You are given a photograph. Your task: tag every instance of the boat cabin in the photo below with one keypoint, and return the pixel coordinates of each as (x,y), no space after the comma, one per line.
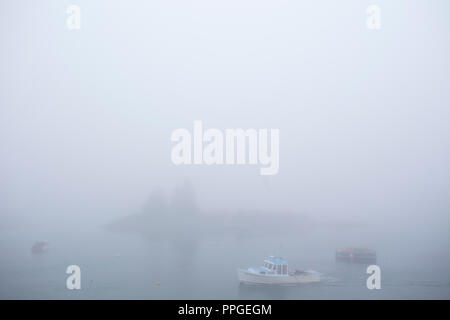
(276,265)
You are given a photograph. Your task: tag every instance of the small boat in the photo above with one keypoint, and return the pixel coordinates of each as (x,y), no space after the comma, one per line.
(275,272)
(361,255)
(39,247)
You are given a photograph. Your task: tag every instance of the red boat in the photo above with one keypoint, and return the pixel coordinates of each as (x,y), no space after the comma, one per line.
(363,255)
(39,247)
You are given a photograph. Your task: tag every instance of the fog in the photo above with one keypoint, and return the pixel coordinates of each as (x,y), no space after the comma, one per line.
(86,118)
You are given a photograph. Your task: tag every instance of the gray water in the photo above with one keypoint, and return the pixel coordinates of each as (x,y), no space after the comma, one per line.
(131,266)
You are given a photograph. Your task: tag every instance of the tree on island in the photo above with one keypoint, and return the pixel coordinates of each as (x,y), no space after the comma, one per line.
(156,203)
(183,200)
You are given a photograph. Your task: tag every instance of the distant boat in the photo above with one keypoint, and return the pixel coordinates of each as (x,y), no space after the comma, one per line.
(39,247)
(275,272)
(362,255)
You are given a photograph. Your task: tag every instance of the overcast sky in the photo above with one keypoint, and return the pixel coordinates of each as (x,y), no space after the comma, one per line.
(86,115)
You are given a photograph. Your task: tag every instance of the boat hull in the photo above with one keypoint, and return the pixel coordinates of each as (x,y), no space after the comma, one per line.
(248,277)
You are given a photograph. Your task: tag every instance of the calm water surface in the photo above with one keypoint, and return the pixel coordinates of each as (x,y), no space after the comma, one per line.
(124,266)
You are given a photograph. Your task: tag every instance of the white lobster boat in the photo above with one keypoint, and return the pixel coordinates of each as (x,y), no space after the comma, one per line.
(275,272)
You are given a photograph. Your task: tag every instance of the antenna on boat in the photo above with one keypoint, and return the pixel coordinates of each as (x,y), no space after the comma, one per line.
(279,251)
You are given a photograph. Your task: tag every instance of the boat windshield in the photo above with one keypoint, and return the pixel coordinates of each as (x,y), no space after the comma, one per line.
(269,266)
